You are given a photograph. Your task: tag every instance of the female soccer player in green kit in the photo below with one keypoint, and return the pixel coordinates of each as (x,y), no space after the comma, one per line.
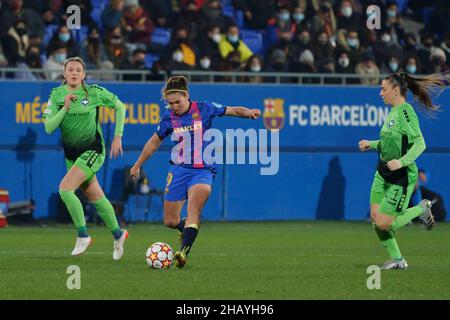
(74,108)
(401,143)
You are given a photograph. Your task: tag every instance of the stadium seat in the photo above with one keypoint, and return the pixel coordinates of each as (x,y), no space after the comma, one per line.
(150,59)
(227,3)
(80,34)
(253,39)
(228,11)
(49,32)
(161,35)
(96,15)
(426,14)
(239,17)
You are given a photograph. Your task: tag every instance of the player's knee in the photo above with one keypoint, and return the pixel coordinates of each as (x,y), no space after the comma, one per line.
(171,222)
(383,226)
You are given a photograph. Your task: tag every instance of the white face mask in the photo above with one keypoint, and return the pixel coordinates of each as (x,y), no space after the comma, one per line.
(255,68)
(216,37)
(347,11)
(205,63)
(178,56)
(393,66)
(385,37)
(344,62)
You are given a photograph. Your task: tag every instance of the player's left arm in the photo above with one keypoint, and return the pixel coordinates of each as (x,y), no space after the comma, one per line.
(110,100)
(410,127)
(243,112)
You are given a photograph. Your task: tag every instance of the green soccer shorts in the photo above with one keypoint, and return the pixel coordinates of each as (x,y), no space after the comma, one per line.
(392,198)
(89,162)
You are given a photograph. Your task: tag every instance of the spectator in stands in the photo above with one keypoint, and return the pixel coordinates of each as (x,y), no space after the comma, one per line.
(115,48)
(180,52)
(93,53)
(232,63)
(204,65)
(424,49)
(368,69)
(280,24)
(135,62)
(138,27)
(63,37)
(348,41)
(211,14)
(324,20)
(277,61)
(437,62)
(254,64)
(15,43)
(301,42)
(232,42)
(322,47)
(411,66)
(16,11)
(208,44)
(299,18)
(32,61)
(445,45)
(410,46)
(328,65)
(347,17)
(42,8)
(111,16)
(438,24)
(393,23)
(3,61)
(392,66)
(85,10)
(256,12)
(55,62)
(385,47)
(343,65)
(189,11)
(161,12)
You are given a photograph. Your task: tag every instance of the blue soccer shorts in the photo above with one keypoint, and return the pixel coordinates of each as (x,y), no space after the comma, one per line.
(180,179)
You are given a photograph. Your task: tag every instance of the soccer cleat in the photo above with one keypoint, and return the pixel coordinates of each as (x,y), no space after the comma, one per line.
(427,217)
(180,233)
(180,259)
(81,245)
(118,245)
(395,264)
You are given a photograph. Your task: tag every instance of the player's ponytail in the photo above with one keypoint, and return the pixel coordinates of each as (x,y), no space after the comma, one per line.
(422,88)
(79,60)
(175,84)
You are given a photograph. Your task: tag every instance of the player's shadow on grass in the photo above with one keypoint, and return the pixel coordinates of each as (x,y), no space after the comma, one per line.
(331,198)
(25,153)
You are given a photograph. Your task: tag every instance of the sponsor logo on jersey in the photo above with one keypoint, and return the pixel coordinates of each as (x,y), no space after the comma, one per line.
(390,124)
(85,101)
(273,114)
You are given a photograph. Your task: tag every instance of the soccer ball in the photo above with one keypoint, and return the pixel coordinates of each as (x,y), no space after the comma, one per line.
(159,255)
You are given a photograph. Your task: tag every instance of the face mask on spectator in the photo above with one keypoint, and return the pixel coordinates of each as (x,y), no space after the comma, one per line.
(216,37)
(298,17)
(304,40)
(391,13)
(21,31)
(60,57)
(233,38)
(178,56)
(344,62)
(411,68)
(255,68)
(385,37)
(205,63)
(347,11)
(64,37)
(352,42)
(116,39)
(393,66)
(284,16)
(322,41)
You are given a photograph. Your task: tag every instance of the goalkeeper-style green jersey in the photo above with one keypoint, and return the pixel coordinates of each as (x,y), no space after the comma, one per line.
(80,126)
(400,136)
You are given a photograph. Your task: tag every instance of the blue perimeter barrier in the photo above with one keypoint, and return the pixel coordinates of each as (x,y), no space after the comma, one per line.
(321,173)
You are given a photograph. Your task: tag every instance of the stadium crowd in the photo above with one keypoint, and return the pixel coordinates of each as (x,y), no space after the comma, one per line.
(306,36)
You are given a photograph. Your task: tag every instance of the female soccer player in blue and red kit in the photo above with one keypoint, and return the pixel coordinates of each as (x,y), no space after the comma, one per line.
(186,121)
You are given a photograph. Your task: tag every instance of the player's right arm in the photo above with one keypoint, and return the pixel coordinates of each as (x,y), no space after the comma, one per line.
(365,145)
(53,117)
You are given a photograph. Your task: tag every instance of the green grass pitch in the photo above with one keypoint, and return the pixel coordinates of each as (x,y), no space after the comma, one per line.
(245,260)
